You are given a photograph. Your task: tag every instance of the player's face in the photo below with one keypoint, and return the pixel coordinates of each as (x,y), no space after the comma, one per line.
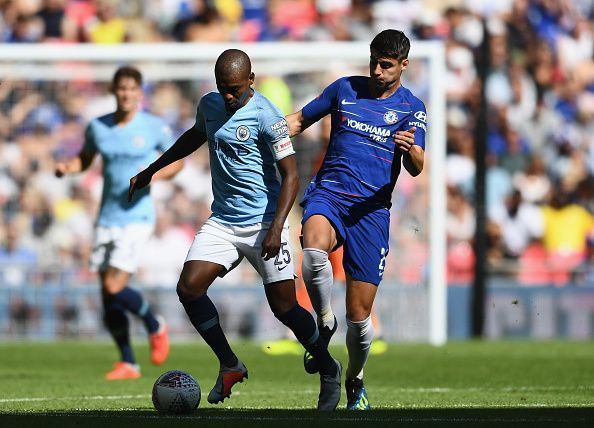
(128,94)
(385,71)
(235,89)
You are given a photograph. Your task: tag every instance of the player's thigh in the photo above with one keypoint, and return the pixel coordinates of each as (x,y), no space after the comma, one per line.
(323,225)
(318,232)
(367,246)
(214,244)
(119,247)
(360,296)
(276,269)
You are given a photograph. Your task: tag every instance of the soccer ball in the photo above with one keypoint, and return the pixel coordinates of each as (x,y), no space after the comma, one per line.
(176,392)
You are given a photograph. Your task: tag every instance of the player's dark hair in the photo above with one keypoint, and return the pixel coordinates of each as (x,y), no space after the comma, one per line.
(233,61)
(391,44)
(126,71)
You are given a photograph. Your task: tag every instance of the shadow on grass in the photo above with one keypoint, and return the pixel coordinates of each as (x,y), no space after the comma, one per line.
(485,417)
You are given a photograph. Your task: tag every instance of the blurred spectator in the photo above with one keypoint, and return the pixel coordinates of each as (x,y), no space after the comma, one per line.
(16,261)
(106,27)
(200,23)
(57,26)
(566,230)
(24,316)
(520,224)
(164,254)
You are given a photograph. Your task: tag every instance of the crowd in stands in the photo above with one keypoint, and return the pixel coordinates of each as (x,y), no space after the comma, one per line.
(540,145)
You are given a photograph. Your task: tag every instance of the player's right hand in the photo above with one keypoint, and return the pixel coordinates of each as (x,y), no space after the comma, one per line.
(142,179)
(61,169)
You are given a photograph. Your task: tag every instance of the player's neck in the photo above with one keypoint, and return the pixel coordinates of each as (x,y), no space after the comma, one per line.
(124,117)
(384,92)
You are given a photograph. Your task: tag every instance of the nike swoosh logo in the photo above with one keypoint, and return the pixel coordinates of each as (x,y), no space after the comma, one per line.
(345,102)
(281,268)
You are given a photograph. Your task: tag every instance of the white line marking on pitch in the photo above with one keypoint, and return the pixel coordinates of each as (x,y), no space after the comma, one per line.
(438,390)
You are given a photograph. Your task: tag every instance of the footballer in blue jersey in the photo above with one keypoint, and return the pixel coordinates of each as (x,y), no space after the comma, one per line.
(127,141)
(377,126)
(247,140)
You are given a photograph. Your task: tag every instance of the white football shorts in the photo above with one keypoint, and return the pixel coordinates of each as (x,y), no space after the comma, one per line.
(119,246)
(227,245)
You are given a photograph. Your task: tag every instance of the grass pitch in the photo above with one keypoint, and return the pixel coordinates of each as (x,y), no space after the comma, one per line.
(470,384)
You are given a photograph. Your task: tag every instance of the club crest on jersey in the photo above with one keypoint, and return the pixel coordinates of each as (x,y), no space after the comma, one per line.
(242,133)
(421,115)
(390,117)
(138,141)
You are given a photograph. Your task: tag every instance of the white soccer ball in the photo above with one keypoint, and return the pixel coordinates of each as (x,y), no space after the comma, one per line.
(176,392)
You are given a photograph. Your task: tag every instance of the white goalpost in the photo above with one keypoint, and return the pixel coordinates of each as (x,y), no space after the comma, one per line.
(176,61)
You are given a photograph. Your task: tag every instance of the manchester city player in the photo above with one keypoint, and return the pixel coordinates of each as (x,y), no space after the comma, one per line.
(377,126)
(127,140)
(247,135)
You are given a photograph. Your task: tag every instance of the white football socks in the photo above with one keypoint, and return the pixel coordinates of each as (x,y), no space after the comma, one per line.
(358,340)
(318,278)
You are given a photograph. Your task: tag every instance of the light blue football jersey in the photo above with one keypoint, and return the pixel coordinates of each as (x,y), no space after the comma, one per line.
(244,146)
(126,150)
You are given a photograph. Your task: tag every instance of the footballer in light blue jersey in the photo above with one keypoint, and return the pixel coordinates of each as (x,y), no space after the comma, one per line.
(244,146)
(248,141)
(126,150)
(127,141)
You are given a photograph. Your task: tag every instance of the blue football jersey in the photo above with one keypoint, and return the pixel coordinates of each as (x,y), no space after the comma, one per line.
(362,162)
(126,150)
(244,146)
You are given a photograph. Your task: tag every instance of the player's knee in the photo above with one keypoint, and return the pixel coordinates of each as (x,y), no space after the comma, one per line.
(357,312)
(188,290)
(112,285)
(314,260)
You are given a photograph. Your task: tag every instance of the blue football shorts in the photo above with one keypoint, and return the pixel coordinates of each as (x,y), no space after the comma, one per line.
(363,233)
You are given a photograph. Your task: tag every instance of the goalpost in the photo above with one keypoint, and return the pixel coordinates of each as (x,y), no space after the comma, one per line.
(187,62)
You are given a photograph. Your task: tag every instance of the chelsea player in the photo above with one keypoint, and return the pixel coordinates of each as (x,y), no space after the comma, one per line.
(247,136)
(377,125)
(127,141)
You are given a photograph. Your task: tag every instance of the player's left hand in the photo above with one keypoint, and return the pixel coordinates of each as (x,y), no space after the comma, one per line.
(271,243)
(142,179)
(405,139)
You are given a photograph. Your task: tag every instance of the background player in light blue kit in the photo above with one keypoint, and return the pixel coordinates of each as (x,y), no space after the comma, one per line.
(377,126)
(127,140)
(247,135)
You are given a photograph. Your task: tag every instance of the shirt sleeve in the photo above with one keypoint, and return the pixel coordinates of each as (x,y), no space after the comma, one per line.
(418,119)
(323,104)
(199,125)
(165,136)
(90,144)
(274,130)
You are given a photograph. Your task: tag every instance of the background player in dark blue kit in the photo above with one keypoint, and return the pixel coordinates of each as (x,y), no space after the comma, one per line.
(377,126)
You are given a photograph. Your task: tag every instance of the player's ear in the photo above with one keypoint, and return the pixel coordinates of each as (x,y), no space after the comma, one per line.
(252,78)
(404,64)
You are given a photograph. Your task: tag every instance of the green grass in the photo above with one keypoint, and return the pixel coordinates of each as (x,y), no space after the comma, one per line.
(462,384)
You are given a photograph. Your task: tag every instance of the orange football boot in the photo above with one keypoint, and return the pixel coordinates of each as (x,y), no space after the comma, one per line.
(123,370)
(159,342)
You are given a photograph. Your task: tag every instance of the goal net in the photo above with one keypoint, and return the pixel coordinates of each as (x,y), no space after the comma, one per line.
(49,93)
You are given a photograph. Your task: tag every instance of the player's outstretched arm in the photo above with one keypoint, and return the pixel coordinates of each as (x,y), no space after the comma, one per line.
(76,164)
(287,167)
(185,145)
(169,171)
(413,155)
(297,123)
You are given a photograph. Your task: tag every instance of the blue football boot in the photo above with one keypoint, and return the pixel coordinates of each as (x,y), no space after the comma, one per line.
(356,395)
